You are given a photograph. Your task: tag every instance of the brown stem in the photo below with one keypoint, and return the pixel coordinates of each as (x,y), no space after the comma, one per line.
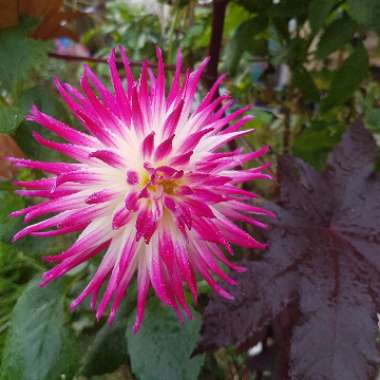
(215,46)
(286,133)
(79,58)
(218,15)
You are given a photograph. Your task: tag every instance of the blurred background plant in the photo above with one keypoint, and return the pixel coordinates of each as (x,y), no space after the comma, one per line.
(309,68)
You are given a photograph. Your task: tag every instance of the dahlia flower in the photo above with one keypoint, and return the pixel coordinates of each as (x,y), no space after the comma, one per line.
(150,186)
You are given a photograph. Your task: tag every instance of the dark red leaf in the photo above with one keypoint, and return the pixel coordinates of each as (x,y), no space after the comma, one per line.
(49,11)
(321,273)
(8,14)
(8,147)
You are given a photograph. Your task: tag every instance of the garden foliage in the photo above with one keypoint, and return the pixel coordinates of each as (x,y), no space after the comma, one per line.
(309,303)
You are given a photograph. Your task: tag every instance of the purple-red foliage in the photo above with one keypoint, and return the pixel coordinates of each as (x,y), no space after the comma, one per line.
(317,288)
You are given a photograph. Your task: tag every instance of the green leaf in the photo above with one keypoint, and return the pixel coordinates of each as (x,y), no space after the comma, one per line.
(35,247)
(366,12)
(288,8)
(254,6)
(16,269)
(9,202)
(235,15)
(41,96)
(316,142)
(161,349)
(108,351)
(243,40)
(305,82)
(44,98)
(10,118)
(318,12)
(336,35)
(39,346)
(348,78)
(29,244)
(296,52)
(18,55)
(372,118)
(47,102)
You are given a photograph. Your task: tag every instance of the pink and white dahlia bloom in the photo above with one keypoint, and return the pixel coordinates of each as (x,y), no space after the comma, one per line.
(150,186)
